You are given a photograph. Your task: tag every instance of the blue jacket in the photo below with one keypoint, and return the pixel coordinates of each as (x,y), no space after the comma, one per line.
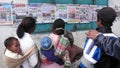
(110,45)
(106,61)
(96,54)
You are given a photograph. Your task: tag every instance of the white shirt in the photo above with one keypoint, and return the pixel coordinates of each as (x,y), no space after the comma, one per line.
(26,42)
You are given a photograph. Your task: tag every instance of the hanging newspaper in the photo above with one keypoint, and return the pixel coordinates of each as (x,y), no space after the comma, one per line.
(73,14)
(39,14)
(48,13)
(6,14)
(61,11)
(94,12)
(85,14)
(35,12)
(19,12)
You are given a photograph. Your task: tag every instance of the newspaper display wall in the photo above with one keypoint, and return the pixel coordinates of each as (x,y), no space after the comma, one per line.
(47,13)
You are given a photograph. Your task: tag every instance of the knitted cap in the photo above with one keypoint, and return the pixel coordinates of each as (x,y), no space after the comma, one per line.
(46,43)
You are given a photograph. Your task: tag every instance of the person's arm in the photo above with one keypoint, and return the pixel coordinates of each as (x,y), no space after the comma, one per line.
(110,45)
(51,56)
(69,35)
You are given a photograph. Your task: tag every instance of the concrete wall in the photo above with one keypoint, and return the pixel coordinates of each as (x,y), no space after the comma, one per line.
(114,2)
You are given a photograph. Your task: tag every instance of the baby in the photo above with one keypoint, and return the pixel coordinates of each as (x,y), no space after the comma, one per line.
(12,50)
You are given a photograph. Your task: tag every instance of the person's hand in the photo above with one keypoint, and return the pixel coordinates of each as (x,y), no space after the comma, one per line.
(92,34)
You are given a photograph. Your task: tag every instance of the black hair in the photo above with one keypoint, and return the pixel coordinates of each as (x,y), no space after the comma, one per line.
(58,26)
(8,41)
(26,25)
(107,15)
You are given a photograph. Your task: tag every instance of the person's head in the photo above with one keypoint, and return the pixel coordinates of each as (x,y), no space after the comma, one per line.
(105,17)
(27,25)
(46,43)
(12,44)
(58,26)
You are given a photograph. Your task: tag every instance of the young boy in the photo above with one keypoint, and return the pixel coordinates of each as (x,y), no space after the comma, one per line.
(12,49)
(48,52)
(92,53)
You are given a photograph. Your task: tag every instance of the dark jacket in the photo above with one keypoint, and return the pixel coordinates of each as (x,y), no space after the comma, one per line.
(106,61)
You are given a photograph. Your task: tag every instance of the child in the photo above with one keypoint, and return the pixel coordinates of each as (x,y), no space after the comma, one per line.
(92,53)
(63,42)
(49,53)
(47,49)
(12,51)
(24,30)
